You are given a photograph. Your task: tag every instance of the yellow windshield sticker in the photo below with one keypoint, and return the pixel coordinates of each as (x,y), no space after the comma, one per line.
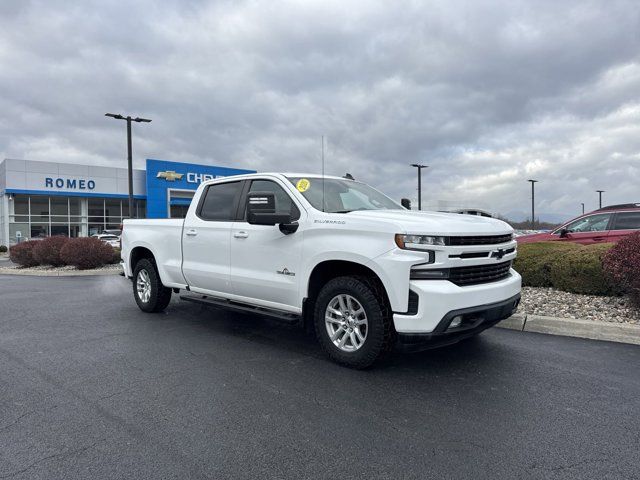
(303,185)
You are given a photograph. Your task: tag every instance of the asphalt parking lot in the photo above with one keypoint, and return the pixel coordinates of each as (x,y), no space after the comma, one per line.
(93,388)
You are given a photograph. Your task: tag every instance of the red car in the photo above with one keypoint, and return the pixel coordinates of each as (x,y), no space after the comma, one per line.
(608,224)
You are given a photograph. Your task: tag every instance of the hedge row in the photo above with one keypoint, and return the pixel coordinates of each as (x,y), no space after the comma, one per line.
(83,253)
(598,269)
(566,266)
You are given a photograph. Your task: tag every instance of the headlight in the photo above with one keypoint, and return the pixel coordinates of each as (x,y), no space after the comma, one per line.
(418,242)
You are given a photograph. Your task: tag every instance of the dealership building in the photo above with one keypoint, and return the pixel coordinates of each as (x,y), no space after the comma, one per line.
(39,199)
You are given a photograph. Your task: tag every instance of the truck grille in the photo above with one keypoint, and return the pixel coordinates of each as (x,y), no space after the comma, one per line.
(480,240)
(463,276)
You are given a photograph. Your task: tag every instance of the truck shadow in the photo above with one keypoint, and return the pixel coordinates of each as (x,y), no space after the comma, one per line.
(294,339)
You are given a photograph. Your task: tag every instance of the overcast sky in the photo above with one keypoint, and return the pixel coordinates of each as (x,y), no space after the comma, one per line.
(488,94)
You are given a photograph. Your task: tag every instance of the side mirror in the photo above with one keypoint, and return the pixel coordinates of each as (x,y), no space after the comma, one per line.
(564,233)
(261,210)
(406,203)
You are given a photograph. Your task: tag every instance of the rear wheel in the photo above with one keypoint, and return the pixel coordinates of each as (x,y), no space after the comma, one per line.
(150,294)
(353,322)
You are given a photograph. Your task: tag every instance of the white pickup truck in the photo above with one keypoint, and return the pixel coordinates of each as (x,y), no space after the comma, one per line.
(332,253)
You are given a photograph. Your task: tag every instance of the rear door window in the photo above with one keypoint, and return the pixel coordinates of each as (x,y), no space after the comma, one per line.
(220,202)
(626,221)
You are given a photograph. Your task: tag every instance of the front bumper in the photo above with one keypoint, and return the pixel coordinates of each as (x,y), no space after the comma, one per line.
(438,298)
(475,320)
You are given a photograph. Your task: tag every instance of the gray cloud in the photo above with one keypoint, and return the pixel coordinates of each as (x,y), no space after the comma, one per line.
(487,93)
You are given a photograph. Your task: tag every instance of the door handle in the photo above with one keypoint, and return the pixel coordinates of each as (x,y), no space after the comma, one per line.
(240,234)
(192,232)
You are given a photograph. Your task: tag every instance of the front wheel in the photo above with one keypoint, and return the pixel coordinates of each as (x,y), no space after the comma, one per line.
(150,294)
(353,322)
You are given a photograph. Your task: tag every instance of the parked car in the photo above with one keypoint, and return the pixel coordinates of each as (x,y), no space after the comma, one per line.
(112,240)
(116,232)
(333,254)
(607,224)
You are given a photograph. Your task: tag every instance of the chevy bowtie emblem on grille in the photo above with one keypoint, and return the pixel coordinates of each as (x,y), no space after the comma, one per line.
(285,271)
(498,253)
(170,175)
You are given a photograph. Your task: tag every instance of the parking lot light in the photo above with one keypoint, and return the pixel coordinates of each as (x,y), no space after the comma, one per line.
(129,153)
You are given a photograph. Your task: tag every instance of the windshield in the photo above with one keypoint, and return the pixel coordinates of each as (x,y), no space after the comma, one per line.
(342,196)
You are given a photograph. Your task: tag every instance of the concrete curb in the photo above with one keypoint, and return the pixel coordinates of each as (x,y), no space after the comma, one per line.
(58,273)
(569,327)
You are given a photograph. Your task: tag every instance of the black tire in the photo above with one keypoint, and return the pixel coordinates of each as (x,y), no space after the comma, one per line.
(160,296)
(380,332)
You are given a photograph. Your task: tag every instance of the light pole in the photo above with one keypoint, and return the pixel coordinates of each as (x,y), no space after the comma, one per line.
(600,192)
(582,208)
(419,167)
(533,203)
(129,154)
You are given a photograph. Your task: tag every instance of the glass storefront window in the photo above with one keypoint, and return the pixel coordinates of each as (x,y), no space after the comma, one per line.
(95,228)
(96,207)
(60,230)
(74,206)
(38,216)
(39,230)
(59,206)
(21,205)
(40,206)
(112,208)
(16,229)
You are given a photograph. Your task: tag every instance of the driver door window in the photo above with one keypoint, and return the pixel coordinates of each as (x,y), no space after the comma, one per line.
(284,204)
(594,223)
(591,229)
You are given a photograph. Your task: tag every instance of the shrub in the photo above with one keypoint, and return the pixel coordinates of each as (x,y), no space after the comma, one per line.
(47,251)
(116,256)
(566,266)
(622,265)
(581,271)
(3,248)
(22,253)
(85,253)
(535,260)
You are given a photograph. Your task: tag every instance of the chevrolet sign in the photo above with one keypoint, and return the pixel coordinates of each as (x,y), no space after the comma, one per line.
(170,175)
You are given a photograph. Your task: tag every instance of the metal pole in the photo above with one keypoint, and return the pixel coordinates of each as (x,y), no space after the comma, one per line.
(130,167)
(582,208)
(533,202)
(600,192)
(419,167)
(533,205)
(129,119)
(419,188)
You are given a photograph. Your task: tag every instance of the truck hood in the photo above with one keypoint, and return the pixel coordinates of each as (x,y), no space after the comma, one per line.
(435,223)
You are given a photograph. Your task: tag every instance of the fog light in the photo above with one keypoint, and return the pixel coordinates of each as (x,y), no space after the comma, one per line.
(456,322)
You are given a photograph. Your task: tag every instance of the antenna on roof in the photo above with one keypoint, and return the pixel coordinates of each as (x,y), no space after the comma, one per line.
(323,173)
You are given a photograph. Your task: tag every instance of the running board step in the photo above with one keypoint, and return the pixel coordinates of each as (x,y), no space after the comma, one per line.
(286,317)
